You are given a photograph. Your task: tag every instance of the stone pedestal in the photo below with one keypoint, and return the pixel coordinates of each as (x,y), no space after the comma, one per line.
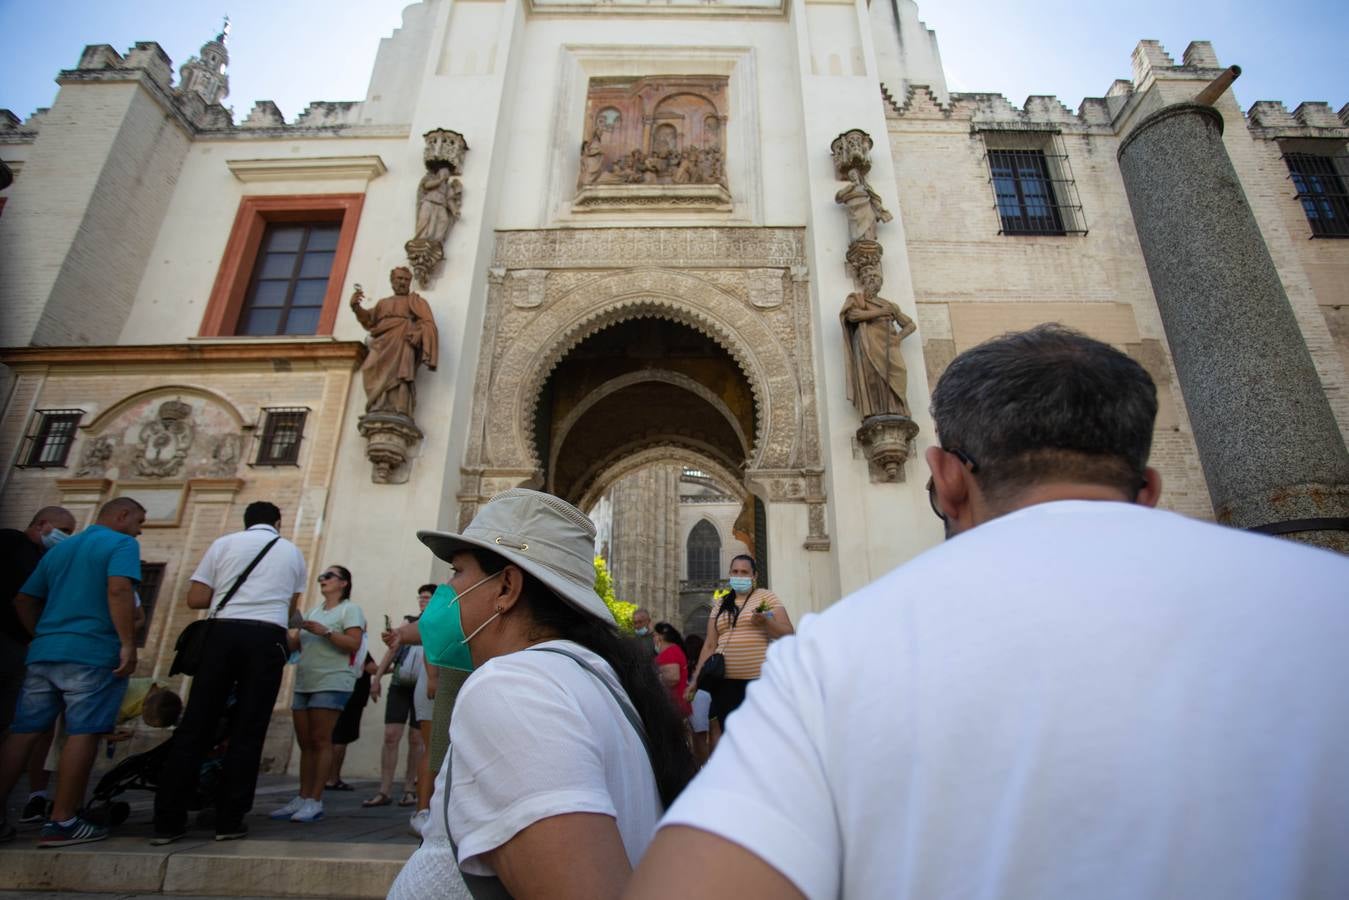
(887,440)
(390,440)
(1272,454)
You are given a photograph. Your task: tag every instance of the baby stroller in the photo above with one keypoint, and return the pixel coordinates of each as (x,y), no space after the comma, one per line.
(140,772)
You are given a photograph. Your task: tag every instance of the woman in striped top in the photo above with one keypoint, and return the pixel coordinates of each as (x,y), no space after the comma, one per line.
(740,628)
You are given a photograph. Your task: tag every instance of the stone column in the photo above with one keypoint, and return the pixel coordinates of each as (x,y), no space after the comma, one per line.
(1272,454)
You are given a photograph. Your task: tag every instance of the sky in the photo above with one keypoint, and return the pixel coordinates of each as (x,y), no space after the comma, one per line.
(298,51)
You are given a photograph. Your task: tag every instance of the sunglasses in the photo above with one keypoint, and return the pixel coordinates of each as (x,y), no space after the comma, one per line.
(326,575)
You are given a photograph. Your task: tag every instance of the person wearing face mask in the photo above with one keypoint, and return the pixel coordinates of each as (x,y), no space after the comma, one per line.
(564,746)
(746,620)
(20,551)
(641,629)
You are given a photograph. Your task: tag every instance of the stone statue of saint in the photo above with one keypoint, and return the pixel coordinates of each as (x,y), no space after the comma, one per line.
(402,336)
(863,206)
(439,198)
(873,328)
(592,159)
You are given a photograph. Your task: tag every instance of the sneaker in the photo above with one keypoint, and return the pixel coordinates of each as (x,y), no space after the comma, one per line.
(167,837)
(418,821)
(35,811)
(289,809)
(238,832)
(54,834)
(311,811)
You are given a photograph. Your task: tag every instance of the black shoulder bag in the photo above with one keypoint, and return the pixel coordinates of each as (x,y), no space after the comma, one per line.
(191,644)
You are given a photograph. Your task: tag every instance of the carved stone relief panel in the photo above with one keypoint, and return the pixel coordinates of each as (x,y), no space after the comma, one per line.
(171,433)
(654,141)
(744,288)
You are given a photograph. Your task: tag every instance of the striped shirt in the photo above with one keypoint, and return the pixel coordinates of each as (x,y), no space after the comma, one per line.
(745,645)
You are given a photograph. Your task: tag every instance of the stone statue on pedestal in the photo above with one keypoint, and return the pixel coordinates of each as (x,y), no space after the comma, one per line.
(873,327)
(440,197)
(403,336)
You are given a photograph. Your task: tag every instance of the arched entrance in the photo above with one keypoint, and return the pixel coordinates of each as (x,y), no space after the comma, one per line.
(593,370)
(621,420)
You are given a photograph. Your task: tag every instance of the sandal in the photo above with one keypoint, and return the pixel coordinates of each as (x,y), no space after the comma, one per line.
(338,785)
(380,799)
(409,799)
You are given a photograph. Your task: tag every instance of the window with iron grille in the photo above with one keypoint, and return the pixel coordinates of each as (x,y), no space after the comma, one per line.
(49,438)
(1033,188)
(704,552)
(1319,180)
(152,576)
(290,278)
(282,431)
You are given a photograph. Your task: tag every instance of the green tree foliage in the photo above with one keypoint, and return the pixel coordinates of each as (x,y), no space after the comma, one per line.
(604,586)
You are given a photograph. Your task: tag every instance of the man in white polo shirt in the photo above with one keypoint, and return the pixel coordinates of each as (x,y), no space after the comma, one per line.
(243,659)
(1076,696)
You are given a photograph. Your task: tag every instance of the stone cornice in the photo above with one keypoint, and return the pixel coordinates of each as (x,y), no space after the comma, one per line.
(313,352)
(311,168)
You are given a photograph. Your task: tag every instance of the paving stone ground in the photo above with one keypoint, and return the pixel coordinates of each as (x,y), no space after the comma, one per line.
(351,852)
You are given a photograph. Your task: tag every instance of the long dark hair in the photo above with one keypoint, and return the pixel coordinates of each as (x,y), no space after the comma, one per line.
(729,602)
(671,759)
(670,635)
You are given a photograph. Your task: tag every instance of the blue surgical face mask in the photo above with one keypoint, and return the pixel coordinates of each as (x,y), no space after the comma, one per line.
(740,583)
(442,629)
(53,537)
(641,632)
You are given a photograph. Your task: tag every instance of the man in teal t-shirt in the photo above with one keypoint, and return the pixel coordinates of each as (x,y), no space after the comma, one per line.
(80,605)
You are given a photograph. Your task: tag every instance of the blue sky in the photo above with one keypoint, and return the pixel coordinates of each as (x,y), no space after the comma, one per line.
(297,51)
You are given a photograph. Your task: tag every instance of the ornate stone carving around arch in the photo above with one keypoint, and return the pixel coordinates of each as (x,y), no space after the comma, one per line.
(697,277)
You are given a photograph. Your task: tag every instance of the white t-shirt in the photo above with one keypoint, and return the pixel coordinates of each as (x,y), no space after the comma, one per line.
(1080,699)
(534,735)
(265,596)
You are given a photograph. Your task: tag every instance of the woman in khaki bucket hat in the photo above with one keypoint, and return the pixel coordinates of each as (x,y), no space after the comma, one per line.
(564,746)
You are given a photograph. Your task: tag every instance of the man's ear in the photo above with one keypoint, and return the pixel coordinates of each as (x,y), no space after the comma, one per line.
(1151,492)
(948,477)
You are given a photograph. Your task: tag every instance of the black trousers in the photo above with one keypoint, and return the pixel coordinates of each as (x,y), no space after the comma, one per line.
(243,662)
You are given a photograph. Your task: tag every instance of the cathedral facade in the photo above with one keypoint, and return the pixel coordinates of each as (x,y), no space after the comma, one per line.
(633,240)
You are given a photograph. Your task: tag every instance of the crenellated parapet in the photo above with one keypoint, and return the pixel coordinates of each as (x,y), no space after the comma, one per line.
(1311,119)
(1151,64)
(194,101)
(992,112)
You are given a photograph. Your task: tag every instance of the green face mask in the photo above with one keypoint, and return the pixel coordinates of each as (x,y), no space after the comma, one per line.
(442,629)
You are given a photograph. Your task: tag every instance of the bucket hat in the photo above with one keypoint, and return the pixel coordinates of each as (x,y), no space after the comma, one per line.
(543,535)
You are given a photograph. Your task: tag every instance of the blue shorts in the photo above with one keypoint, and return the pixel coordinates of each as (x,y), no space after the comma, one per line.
(320,700)
(90,695)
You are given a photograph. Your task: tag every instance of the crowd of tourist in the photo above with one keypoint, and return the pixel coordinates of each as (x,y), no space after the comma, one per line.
(1076,695)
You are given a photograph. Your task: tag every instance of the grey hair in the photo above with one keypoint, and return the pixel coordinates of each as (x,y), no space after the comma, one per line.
(1047,404)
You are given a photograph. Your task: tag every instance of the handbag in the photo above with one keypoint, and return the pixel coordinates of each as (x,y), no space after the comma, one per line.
(190,647)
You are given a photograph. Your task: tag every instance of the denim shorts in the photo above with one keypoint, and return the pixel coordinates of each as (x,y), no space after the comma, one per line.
(90,695)
(320,700)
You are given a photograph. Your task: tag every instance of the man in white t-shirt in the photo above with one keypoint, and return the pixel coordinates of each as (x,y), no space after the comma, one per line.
(1076,696)
(243,660)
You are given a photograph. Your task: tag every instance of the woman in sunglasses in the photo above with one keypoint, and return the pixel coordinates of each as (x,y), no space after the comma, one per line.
(328,639)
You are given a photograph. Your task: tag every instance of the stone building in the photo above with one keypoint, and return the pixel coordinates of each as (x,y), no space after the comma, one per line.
(635,225)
